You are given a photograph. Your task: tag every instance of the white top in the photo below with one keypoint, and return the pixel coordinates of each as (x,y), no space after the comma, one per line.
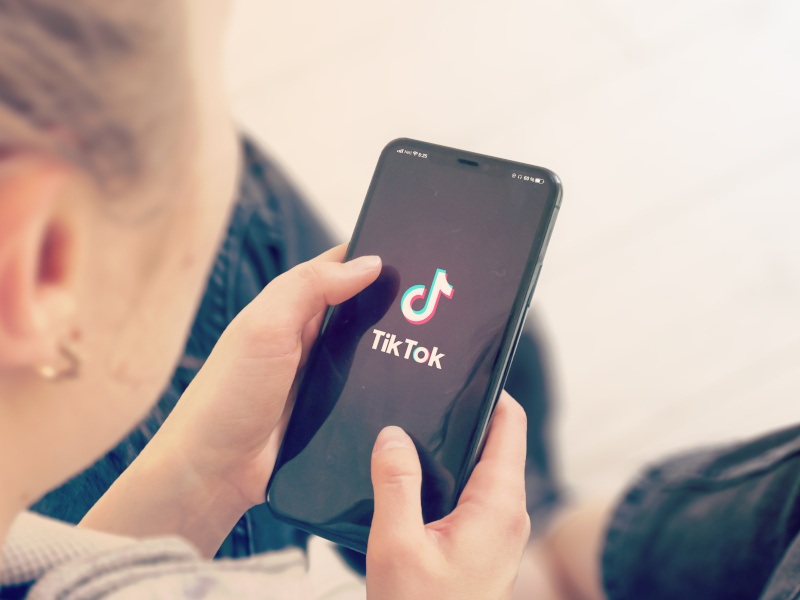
(71,563)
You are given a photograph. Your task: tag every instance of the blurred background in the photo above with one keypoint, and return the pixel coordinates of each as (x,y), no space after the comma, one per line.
(670,296)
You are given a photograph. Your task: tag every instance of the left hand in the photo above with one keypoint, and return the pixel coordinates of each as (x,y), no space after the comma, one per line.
(212,458)
(229,423)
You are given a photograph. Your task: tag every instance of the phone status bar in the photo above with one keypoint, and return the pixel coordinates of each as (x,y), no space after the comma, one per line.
(528,178)
(412,153)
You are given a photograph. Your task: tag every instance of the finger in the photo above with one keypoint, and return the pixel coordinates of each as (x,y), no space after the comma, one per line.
(397,485)
(311,330)
(309,335)
(507,437)
(267,334)
(498,480)
(282,310)
(335,254)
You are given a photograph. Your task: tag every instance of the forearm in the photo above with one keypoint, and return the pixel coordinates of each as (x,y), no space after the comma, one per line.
(160,495)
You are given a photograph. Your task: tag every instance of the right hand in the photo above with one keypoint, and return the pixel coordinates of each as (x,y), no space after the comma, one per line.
(472,553)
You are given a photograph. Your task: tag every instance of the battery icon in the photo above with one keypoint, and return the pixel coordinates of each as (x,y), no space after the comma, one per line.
(537,180)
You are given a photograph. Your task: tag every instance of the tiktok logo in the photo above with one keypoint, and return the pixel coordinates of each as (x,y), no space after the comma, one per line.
(439,287)
(390,344)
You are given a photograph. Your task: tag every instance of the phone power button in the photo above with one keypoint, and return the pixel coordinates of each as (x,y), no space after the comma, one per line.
(534,280)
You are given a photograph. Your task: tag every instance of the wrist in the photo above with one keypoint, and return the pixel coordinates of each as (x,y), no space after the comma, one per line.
(201,489)
(163,494)
(236,472)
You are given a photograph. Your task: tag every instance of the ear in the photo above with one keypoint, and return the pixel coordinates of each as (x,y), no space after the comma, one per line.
(37,259)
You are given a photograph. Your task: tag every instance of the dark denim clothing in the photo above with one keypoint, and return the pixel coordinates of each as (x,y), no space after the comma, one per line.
(271,229)
(717,524)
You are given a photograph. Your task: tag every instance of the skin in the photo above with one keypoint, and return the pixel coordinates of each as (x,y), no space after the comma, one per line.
(130,291)
(573,548)
(472,553)
(565,563)
(212,458)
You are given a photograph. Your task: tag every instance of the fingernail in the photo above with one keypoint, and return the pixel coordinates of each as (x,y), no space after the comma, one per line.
(392,437)
(364,263)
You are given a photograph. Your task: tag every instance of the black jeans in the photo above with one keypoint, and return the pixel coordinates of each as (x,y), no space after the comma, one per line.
(720,523)
(271,229)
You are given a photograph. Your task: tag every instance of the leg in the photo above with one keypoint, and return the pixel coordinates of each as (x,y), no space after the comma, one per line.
(565,563)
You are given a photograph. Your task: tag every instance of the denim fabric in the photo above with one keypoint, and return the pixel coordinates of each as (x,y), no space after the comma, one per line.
(719,523)
(271,229)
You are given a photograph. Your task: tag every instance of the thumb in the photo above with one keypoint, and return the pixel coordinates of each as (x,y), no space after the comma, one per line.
(397,484)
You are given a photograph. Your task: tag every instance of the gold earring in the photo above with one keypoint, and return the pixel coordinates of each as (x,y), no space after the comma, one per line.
(69,363)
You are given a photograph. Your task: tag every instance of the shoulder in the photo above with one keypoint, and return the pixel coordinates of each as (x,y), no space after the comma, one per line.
(279,211)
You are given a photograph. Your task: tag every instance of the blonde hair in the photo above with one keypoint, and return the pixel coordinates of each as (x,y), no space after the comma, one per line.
(101,83)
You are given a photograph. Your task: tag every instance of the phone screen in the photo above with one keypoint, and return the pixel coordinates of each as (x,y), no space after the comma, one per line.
(421,347)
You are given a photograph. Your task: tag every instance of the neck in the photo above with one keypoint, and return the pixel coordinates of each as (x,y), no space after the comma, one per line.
(15,495)
(211,183)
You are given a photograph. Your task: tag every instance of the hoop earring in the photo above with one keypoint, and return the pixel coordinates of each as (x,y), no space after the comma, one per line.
(69,366)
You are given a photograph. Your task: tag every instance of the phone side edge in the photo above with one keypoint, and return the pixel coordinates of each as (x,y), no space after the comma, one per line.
(508,350)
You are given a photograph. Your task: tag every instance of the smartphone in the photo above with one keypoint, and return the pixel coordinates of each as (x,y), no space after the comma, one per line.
(428,345)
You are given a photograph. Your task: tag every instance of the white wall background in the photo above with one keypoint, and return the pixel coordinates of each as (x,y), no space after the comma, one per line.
(671,290)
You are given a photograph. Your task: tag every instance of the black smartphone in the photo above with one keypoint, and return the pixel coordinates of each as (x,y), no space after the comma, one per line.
(428,345)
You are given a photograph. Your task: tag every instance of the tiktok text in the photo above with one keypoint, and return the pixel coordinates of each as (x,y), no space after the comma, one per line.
(392,345)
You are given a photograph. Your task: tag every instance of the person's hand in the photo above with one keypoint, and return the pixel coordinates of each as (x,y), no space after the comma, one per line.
(212,458)
(227,423)
(474,552)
